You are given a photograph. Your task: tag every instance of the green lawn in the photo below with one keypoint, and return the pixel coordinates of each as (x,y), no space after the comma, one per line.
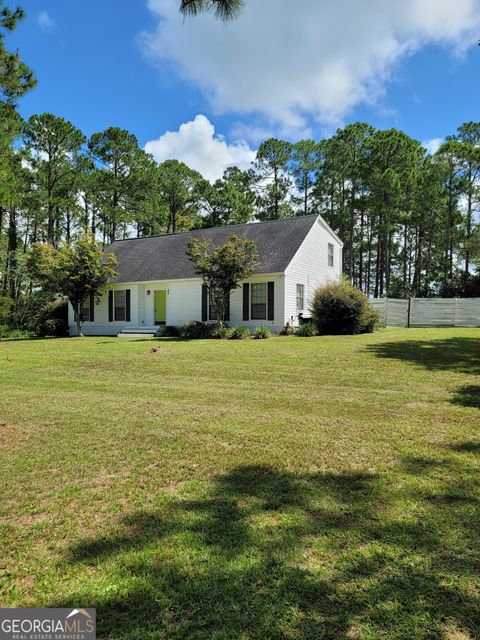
(288,488)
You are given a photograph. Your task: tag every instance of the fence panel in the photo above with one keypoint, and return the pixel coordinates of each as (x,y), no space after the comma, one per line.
(429,312)
(467,312)
(380,305)
(397,312)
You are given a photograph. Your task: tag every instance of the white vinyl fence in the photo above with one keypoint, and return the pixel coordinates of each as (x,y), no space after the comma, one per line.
(428,312)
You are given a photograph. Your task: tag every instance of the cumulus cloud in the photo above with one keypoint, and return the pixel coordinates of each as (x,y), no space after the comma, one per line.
(45,22)
(433,145)
(289,60)
(198,146)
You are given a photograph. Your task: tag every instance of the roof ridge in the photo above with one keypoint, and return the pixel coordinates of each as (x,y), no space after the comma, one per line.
(227,226)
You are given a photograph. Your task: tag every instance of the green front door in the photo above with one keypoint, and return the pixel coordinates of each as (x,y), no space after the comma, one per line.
(160,307)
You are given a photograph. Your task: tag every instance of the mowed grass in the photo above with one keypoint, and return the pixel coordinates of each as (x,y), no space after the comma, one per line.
(318,488)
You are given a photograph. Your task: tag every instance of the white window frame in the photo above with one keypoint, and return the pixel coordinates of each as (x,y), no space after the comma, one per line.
(265,287)
(331,255)
(302,296)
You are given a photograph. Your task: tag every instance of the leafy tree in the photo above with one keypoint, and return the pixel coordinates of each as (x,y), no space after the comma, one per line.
(223,9)
(342,189)
(54,143)
(394,159)
(229,200)
(222,268)
(179,192)
(469,154)
(449,155)
(15,77)
(120,161)
(272,180)
(304,161)
(77,271)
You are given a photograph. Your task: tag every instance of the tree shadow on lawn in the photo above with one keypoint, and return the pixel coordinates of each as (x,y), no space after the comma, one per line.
(268,555)
(450,354)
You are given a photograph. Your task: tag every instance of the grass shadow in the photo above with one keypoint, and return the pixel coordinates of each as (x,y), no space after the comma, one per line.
(449,354)
(461,355)
(266,554)
(468,396)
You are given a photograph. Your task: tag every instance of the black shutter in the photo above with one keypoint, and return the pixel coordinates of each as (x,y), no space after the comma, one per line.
(246,302)
(271,301)
(110,306)
(92,308)
(227,309)
(127,305)
(204,303)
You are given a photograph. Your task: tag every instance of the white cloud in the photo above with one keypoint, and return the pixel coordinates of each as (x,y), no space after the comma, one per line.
(45,22)
(433,145)
(287,60)
(196,144)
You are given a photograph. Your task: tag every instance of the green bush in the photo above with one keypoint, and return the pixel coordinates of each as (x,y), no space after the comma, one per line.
(51,319)
(8,332)
(240,333)
(194,330)
(170,332)
(287,330)
(306,330)
(262,333)
(340,308)
(220,332)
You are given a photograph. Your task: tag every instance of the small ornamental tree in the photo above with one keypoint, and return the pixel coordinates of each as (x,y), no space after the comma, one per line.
(222,268)
(79,271)
(340,308)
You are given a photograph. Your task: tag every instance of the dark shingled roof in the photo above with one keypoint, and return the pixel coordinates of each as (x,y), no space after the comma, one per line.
(163,257)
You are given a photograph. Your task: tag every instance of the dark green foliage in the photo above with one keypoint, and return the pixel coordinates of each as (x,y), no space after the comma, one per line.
(15,77)
(170,332)
(51,320)
(230,200)
(272,179)
(223,267)
(239,333)
(340,308)
(461,285)
(262,333)
(77,271)
(6,310)
(195,330)
(223,9)
(306,330)
(220,332)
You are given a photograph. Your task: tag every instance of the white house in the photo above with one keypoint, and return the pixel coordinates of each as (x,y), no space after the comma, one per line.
(157,284)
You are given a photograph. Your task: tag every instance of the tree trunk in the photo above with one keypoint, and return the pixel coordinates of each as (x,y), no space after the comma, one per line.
(78,319)
(468,232)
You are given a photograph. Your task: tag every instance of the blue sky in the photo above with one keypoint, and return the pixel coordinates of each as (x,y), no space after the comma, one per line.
(137,65)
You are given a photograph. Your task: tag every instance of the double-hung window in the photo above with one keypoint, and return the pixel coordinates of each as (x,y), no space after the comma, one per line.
(300,297)
(258,301)
(120,305)
(85,310)
(212,310)
(330,255)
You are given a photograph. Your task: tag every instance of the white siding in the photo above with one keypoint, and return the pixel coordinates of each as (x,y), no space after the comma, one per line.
(184,303)
(310,268)
(236,304)
(101,326)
